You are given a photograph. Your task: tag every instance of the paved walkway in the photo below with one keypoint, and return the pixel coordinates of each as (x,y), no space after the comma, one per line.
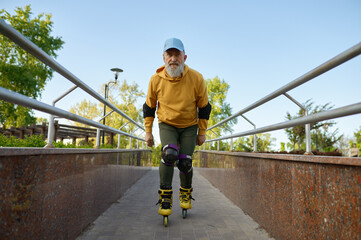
(135,215)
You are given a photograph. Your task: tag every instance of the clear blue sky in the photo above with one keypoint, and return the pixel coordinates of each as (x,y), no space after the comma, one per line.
(255,46)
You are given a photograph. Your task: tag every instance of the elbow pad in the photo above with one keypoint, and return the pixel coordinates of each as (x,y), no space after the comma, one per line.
(204,112)
(148,111)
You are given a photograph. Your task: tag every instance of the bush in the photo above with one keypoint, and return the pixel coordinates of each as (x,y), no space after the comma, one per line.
(63,145)
(71,145)
(39,141)
(28,141)
(301,152)
(156,155)
(107,146)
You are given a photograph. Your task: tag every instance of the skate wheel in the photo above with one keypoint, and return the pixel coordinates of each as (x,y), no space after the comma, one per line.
(165,221)
(184,213)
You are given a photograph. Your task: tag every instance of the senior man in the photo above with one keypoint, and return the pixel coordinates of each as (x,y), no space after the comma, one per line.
(179,96)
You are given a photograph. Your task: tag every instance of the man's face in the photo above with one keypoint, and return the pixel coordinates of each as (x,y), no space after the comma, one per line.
(174,61)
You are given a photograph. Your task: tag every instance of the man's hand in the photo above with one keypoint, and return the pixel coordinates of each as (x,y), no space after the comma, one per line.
(200,140)
(149,139)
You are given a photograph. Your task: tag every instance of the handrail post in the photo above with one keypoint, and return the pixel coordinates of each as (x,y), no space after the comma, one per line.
(308,137)
(217,141)
(51,127)
(307,126)
(231,144)
(137,139)
(119,136)
(255,141)
(254,136)
(97,142)
(51,131)
(130,143)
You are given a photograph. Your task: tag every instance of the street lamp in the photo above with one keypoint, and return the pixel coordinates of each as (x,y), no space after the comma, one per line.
(116,72)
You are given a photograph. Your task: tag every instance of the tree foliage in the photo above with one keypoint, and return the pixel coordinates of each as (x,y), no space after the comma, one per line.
(322,139)
(217,93)
(343,145)
(86,109)
(28,141)
(325,140)
(124,96)
(156,155)
(19,70)
(357,135)
(217,90)
(128,94)
(245,144)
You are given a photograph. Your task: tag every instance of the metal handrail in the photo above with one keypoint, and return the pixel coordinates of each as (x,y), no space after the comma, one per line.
(10,96)
(37,52)
(254,136)
(339,112)
(331,114)
(330,64)
(51,129)
(64,94)
(307,126)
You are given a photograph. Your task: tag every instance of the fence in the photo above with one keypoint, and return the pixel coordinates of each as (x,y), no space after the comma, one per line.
(307,119)
(25,101)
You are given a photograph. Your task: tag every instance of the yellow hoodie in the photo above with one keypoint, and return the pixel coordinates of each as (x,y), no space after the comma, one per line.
(177,99)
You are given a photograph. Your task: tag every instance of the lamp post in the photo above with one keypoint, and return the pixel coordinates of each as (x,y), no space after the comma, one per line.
(106,90)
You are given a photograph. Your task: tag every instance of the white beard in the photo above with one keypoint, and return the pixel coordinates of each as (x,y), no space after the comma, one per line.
(174,72)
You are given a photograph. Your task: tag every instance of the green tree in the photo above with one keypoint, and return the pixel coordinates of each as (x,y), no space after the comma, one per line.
(357,140)
(343,145)
(242,145)
(283,147)
(223,145)
(124,96)
(245,144)
(324,140)
(156,155)
(86,109)
(217,92)
(19,70)
(321,137)
(40,120)
(357,135)
(127,103)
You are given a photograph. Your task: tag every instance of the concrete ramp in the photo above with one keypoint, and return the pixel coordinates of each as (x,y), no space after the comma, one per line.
(135,216)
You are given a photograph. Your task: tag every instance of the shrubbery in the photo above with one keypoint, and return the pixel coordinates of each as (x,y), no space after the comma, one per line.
(39,141)
(301,152)
(63,145)
(28,141)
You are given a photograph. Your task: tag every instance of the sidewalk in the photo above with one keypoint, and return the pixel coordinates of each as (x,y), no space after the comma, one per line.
(135,215)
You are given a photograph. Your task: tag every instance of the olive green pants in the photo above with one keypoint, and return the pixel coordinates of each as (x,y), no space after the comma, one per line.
(186,138)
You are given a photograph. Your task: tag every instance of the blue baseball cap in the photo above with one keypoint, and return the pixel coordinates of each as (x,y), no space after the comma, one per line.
(173,43)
